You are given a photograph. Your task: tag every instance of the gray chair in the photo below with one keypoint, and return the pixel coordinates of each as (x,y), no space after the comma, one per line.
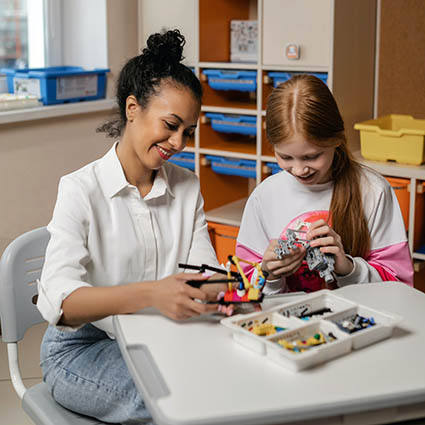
(20,267)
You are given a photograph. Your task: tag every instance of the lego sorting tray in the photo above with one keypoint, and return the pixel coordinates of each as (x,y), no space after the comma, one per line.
(311,330)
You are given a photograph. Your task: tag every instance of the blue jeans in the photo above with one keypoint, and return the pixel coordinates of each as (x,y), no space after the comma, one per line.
(86,373)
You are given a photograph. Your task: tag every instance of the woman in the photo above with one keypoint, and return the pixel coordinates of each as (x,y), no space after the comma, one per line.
(119,229)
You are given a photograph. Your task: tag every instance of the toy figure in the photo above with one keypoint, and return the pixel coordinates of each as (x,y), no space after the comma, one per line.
(316,260)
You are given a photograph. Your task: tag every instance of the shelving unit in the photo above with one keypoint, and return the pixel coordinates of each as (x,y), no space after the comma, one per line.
(334,37)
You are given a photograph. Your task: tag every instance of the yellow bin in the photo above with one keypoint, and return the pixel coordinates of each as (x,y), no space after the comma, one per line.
(397,138)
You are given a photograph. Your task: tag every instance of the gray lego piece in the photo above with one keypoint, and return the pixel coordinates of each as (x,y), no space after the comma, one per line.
(316,260)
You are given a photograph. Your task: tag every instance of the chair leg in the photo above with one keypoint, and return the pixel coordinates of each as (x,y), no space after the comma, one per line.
(15,373)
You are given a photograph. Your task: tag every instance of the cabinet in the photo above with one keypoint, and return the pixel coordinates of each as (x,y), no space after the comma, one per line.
(336,37)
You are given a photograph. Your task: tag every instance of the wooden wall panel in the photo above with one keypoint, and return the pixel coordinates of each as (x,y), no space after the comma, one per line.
(401,86)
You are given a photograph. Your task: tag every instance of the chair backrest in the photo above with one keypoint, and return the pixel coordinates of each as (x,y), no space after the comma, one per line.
(20,267)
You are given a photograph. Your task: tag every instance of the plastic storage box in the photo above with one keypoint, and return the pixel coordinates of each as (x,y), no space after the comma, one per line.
(184,159)
(312,330)
(60,84)
(240,124)
(233,167)
(281,77)
(11,72)
(245,81)
(3,83)
(397,138)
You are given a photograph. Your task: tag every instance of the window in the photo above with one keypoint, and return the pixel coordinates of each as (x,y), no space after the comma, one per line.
(42,33)
(13,33)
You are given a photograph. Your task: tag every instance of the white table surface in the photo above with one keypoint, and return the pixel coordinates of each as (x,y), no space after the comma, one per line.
(193,372)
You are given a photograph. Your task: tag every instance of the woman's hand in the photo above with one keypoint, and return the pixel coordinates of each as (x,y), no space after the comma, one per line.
(288,265)
(174,298)
(322,236)
(212,290)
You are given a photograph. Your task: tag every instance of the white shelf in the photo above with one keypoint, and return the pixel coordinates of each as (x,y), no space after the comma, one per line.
(294,68)
(44,112)
(393,169)
(229,65)
(268,158)
(418,256)
(230,214)
(221,110)
(228,154)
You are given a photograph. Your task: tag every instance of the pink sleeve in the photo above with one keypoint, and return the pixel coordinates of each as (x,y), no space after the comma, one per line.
(247,254)
(393,263)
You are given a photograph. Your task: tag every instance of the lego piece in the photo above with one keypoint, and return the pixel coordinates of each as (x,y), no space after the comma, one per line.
(299,346)
(355,323)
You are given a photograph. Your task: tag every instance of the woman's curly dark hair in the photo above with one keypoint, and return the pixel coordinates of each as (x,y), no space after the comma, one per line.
(142,75)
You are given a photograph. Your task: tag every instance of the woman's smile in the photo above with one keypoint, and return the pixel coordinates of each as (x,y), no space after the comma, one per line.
(165,154)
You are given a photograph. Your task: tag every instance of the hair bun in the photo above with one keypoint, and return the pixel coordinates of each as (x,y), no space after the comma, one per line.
(166,47)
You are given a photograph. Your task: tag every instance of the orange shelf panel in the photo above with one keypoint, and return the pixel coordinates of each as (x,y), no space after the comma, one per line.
(214,27)
(219,189)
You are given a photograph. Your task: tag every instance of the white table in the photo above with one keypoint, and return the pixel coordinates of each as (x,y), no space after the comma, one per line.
(194,373)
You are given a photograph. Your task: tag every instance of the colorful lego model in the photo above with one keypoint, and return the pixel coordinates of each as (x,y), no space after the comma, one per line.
(316,260)
(245,291)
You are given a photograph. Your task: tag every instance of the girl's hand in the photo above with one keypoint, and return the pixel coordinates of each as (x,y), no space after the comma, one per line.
(174,298)
(323,236)
(280,268)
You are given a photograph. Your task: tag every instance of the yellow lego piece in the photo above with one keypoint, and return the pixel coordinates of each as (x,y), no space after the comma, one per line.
(253,294)
(264,329)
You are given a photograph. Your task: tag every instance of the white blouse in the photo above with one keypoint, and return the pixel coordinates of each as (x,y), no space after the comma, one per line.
(103,233)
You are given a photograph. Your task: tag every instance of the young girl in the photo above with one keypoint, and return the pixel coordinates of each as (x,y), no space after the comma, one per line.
(119,229)
(344,208)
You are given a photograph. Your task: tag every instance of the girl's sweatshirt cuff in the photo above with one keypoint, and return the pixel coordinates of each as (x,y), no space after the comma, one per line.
(352,277)
(276,286)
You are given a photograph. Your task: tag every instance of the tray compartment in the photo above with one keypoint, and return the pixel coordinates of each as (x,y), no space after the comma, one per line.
(316,306)
(244,327)
(382,329)
(336,344)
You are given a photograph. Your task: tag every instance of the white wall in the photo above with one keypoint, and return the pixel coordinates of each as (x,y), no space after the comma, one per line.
(84,33)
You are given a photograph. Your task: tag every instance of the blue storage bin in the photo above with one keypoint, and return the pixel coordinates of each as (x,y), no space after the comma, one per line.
(10,75)
(231,80)
(241,124)
(281,77)
(233,167)
(58,84)
(274,167)
(184,159)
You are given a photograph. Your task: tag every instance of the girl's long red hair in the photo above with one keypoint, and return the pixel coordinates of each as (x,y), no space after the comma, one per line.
(305,105)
